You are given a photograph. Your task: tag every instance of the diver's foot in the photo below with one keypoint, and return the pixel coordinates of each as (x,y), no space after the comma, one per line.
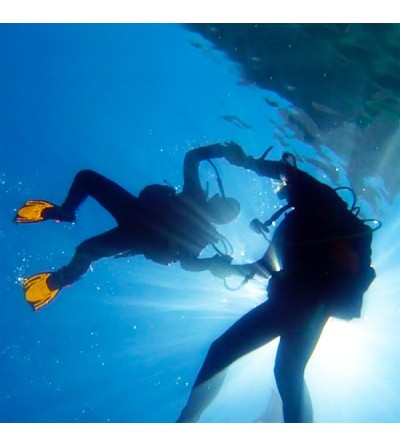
(187,417)
(40,210)
(57,213)
(38,292)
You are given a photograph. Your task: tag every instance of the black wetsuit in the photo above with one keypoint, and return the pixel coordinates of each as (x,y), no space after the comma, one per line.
(163,231)
(318,265)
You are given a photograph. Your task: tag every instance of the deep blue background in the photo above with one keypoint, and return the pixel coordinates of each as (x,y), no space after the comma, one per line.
(124,344)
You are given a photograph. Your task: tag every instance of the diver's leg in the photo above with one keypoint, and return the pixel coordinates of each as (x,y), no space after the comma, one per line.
(115,199)
(296,346)
(253,330)
(110,243)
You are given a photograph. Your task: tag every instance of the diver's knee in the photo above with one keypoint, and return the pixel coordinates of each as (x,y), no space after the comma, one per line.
(281,367)
(219,356)
(86,175)
(288,378)
(87,250)
(285,374)
(216,349)
(278,374)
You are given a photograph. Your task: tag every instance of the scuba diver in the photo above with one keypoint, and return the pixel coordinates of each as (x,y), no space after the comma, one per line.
(163,226)
(318,264)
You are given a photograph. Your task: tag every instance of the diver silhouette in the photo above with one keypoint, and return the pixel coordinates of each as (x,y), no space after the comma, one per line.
(161,225)
(318,264)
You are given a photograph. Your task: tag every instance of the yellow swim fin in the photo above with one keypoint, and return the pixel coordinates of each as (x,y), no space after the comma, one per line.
(32,211)
(37,292)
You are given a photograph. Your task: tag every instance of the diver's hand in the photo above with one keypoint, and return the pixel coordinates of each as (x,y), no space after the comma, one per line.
(235,154)
(220,266)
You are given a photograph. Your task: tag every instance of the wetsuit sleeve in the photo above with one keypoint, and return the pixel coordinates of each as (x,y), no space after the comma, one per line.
(300,184)
(218,265)
(191,178)
(264,267)
(266,168)
(193,264)
(221,267)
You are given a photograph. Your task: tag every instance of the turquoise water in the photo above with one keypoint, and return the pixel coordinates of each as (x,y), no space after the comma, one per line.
(124,344)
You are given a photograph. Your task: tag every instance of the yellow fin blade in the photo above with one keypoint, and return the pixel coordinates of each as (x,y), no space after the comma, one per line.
(37,291)
(31,211)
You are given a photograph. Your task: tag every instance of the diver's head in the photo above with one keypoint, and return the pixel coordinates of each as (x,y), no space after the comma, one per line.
(222,210)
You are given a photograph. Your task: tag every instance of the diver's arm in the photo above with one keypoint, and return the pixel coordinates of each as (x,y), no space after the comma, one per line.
(191,178)
(218,265)
(193,264)
(267,168)
(263,267)
(259,268)
(273,169)
(221,267)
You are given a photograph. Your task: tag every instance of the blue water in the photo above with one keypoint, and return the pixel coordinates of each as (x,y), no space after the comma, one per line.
(124,344)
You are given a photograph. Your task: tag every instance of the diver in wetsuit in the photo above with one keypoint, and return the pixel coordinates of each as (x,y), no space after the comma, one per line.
(161,225)
(324,256)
